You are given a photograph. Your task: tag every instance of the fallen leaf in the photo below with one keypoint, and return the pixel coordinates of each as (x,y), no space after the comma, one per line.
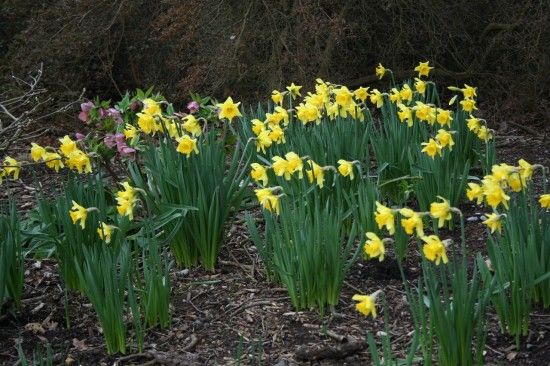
(80,345)
(35,328)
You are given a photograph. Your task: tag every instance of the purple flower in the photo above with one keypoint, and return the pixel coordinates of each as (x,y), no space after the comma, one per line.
(135,105)
(109,140)
(83,116)
(120,138)
(79,136)
(103,113)
(126,151)
(193,107)
(87,106)
(115,114)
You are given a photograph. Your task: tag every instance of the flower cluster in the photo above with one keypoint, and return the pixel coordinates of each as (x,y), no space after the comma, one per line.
(69,154)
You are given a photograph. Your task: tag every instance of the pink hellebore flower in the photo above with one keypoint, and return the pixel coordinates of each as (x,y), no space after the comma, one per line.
(109,140)
(79,136)
(84,114)
(193,107)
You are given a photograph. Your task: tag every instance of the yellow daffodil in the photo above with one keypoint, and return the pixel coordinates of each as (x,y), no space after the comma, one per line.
(434,250)
(283,114)
(377,98)
(277,135)
(151,107)
(374,247)
(431,148)
(444,117)
(257,126)
(423,68)
(345,168)
(412,222)
(67,145)
(343,96)
(544,201)
(484,134)
(294,90)
(228,109)
(126,200)
(366,304)
(444,138)
(294,164)
(277,97)
(475,192)
(53,161)
(495,195)
(384,218)
(263,141)
(78,160)
(78,213)
(468,105)
(259,173)
(12,167)
(405,114)
(525,171)
(147,123)
(473,124)
(493,222)
(267,199)
(425,112)
(361,93)
(280,166)
(130,131)
(105,232)
(187,145)
(469,92)
(395,96)
(192,125)
(37,152)
(380,71)
(316,173)
(308,113)
(420,86)
(441,211)
(406,93)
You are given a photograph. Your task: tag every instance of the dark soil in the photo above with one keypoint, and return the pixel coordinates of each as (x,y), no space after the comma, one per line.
(235,316)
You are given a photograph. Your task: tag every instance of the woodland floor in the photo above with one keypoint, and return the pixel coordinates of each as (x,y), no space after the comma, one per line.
(235,316)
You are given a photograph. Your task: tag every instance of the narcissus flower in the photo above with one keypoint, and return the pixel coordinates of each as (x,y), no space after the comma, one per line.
(308,113)
(280,166)
(277,135)
(105,232)
(405,114)
(277,97)
(493,222)
(380,71)
(361,93)
(192,125)
(444,117)
(377,98)
(475,192)
(484,134)
(187,145)
(67,145)
(434,250)
(366,304)
(544,201)
(420,86)
(295,164)
(431,148)
(395,96)
(384,218)
(412,222)
(12,167)
(37,152)
(78,213)
(374,247)
(316,173)
(126,200)
(259,173)
(423,68)
(441,211)
(406,93)
(345,168)
(425,112)
(473,124)
(147,123)
(53,161)
(130,131)
(263,141)
(343,96)
(267,199)
(228,109)
(257,126)
(79,161)
(525,171)
(495,195)
(294,90)
(468,105)
(445,138)
(469,92)
(151,107)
